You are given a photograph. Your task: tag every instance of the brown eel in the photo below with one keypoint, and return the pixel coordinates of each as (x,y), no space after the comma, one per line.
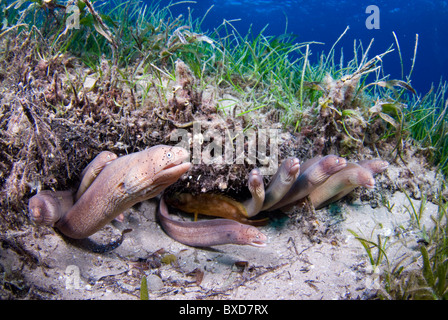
(211,204)
(374,166)
(122,183)
(206,233)
(220,205)
(308,180)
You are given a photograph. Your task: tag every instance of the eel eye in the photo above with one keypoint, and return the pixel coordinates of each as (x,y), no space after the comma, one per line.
(169,155)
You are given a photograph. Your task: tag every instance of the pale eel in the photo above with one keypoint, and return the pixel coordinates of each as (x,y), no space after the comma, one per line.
(122,183)
(308,180)
(340,184)
(256,188)
(281,182)
(92,170)
(47,206)
(375,166)
(308,163)
(206,233)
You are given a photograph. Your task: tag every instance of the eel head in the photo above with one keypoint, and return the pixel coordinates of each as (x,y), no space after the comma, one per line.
(256,185)
(327,166)
(254,237)
(290,170)
(47,207)
(153,170)
(375,166)
(332,164)
(362,177)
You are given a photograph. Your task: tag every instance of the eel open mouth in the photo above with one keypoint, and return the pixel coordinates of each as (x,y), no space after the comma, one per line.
(172,172)
(258,244)
(260,241)
(370,184)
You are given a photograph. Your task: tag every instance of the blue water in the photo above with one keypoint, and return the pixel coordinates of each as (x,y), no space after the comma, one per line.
(326,20)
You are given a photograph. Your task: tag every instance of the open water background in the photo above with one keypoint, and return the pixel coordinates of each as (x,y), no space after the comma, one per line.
(326,20)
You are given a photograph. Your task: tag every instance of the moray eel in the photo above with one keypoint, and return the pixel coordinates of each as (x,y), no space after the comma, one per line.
(341,183)
(256,188)
(219,205)
(308,163)
(375,166)
(47,207)
(122,183)
(281,182)
(311,178)
(92,170)
(206,233)
(210,204)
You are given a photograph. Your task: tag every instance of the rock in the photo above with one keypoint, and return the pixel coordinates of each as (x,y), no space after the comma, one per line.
(154,283)
(90,83)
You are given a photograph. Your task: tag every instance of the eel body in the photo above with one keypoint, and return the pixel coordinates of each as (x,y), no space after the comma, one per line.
(308,163)
(122,183)
(341,183)
(361,178)
(206,233)
(256,188)
(211,204)
(47,207)
(308,180)
(92,170)
(281,182)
